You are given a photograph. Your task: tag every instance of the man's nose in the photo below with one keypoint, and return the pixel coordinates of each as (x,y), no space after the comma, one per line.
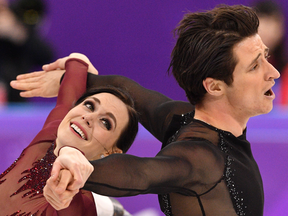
(273,72)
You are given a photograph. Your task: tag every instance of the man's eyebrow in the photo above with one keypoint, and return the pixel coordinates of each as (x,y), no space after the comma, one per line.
(266,51)
(108,113)
(254,60)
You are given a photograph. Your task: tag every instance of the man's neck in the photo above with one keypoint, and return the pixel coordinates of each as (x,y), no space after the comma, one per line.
(221,117)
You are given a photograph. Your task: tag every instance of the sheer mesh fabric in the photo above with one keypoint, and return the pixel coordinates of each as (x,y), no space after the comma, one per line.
(155,109)
(36,160)
(202,170)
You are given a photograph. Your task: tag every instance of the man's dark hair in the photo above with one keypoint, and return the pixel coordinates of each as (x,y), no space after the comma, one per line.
(205,45)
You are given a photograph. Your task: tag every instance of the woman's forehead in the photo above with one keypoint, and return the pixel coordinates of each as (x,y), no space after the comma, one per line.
(111,103)
(106,97)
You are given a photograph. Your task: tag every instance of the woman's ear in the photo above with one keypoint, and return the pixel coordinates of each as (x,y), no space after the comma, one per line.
(213,86)
(116,150)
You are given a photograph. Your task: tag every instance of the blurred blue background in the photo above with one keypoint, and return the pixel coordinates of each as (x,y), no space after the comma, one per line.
(135,39)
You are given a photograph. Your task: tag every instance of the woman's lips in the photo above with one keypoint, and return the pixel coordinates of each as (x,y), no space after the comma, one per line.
(78,130)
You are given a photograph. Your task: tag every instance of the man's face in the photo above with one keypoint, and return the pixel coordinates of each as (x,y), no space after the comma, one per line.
(251,92)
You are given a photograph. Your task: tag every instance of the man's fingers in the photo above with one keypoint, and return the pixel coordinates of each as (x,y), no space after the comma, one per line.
(78,178)
(75,185)
(51,184)
(74,161)
(57,201)
(52,202)
(65,177)
(64,184)
(58,204)
(55,170)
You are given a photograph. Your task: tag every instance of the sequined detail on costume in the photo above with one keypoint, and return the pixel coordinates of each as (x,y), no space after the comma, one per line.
(222,143)
(185,119)
(10,168)
(37,176)
(228,175)
(24,214)
(35,182)
(36,179)
(166,205)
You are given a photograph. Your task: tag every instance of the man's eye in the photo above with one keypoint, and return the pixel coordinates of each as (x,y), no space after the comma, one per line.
(267,57)
(255,67)
(106,123)
(89,105)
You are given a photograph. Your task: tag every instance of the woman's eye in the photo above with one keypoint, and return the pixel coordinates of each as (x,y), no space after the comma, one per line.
(106,123)
(89,105)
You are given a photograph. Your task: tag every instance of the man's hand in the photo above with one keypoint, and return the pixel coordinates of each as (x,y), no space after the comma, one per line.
(73,160)
(54,194)
(60,189)
(38,84)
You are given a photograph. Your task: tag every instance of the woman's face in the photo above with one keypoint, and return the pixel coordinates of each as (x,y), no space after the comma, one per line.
(94,125)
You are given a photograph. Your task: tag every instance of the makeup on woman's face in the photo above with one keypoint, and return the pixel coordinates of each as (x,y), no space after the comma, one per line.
(94,125)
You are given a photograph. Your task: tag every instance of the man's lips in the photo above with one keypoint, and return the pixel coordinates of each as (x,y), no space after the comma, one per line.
(79,131)
(269,92)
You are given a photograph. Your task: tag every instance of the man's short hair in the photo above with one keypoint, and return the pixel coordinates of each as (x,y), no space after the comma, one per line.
(205,45)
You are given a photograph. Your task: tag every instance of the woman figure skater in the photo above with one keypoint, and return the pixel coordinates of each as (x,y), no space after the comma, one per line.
(102,122)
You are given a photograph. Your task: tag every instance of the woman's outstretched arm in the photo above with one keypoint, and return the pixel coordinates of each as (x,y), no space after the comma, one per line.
(155,109)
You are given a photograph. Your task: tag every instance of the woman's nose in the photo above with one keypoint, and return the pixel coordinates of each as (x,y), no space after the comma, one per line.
(88,119)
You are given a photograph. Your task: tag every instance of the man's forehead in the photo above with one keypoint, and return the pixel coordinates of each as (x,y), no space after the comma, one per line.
(250,44)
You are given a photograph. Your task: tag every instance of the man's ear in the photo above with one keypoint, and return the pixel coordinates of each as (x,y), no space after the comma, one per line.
(213,86)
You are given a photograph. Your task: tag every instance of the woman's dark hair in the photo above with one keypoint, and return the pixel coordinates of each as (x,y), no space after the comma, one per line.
(130,131)
(204,47)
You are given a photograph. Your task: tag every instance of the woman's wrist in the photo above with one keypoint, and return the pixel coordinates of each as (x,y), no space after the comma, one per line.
(70,147)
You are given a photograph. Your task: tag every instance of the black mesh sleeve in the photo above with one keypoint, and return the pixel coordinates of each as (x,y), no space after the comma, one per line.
(155,109)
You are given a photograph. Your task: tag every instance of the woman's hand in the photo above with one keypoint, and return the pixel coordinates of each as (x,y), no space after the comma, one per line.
(60,63)
(46,83)
(38,84)
(60,189)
